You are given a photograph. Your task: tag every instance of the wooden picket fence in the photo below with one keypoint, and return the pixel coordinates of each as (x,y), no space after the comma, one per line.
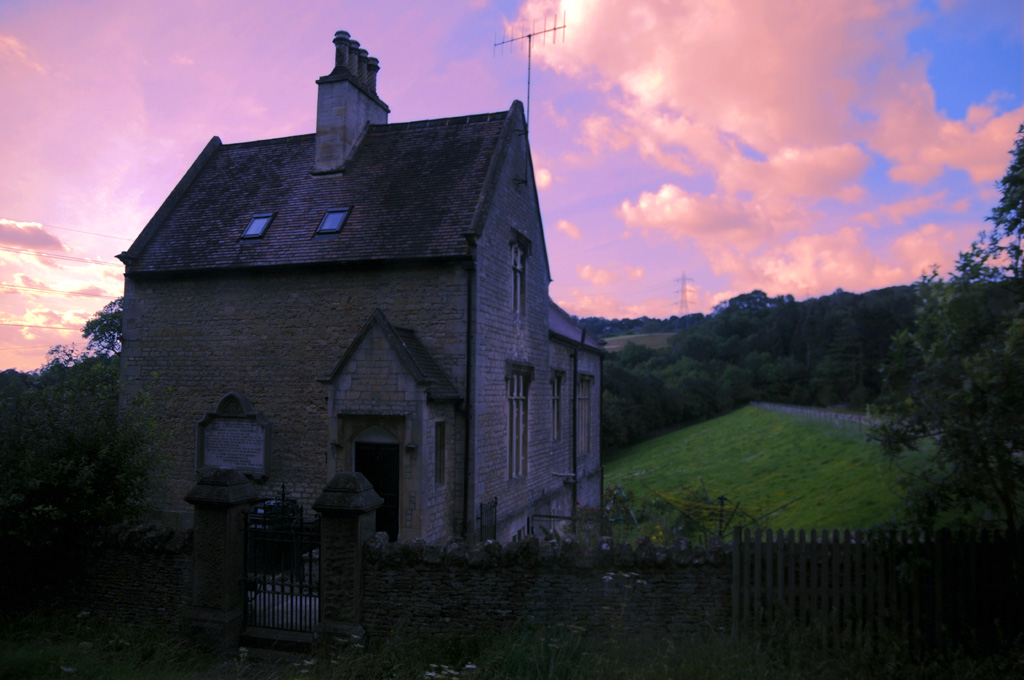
(942,590)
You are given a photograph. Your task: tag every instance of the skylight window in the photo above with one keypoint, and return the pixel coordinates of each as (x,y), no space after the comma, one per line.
(333,221)
(257,225)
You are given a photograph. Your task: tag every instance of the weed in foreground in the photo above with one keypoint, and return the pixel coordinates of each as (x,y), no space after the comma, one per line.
(83,645)
(70,647)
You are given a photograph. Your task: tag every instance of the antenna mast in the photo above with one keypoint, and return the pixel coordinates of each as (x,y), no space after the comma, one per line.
(528,37)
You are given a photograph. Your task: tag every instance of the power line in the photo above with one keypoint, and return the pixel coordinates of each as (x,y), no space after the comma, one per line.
(57,292)
(77,231)
(28,325)
(59,257)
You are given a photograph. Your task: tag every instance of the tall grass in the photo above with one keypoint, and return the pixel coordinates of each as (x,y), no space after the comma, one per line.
(82,645)
(67,647)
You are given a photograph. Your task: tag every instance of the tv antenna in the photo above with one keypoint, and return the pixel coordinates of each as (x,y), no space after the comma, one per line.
(528,39)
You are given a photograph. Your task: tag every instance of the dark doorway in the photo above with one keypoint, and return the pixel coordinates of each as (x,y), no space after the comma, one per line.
(379,464)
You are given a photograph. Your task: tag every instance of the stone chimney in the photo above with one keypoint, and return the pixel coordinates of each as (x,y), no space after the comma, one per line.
(346,102)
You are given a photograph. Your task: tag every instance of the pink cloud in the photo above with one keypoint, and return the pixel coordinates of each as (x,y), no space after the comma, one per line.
(28,281)
(922,143)
(14,55)
(745,224)
(816,171)
(585,304)
(599,277)
(599,133)
(569,229)
(768,77)
(607,276)
(28,235)
(898,212)
(817,264)
(692,81)
(929,246)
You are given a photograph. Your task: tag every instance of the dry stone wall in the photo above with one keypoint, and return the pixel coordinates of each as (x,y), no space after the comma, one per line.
(139,574)
(609,589)
(144,574)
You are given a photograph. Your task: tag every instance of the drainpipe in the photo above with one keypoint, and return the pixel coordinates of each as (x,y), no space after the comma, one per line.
(600,419)
(467,501)
(575,419)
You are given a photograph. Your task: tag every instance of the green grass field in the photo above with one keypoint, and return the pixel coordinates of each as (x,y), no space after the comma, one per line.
(830,477)
(652,340)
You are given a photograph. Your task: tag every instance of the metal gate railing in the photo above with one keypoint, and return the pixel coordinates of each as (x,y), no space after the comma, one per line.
(489,519)
(282,567)
(548,524)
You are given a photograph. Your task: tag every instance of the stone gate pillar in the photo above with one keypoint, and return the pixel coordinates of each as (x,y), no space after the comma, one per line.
(347,510)
(218,557)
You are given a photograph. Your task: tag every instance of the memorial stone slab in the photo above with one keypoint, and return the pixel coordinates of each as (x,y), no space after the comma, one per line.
(233,436)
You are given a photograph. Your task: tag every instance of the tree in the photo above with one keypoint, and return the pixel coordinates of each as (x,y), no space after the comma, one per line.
(72,461)
(955,382)
(104,329)
(1005,240)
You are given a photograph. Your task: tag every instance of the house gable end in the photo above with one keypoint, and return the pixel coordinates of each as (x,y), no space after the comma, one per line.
(414,357)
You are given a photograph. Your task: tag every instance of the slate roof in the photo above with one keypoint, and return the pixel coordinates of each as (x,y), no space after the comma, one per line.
(414,189)
(561,325)
(427,370)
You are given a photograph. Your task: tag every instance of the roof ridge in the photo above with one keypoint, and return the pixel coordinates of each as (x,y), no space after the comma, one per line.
(380,127)
(267,142)
(442,122)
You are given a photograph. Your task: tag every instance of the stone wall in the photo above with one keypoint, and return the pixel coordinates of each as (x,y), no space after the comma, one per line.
(425,590)
(271,336)
(139,574)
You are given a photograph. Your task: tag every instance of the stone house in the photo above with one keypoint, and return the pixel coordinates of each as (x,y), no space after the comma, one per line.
(371,297)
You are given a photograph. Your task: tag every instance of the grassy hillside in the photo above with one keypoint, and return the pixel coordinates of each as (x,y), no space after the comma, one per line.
(652,340)
(830,477)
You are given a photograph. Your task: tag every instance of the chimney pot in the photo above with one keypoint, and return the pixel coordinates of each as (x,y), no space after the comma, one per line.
(372,66)
(363,58)
(341,43)
(353,57)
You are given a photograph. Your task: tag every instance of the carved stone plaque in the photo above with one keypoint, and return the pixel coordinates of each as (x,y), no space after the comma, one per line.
(233,436)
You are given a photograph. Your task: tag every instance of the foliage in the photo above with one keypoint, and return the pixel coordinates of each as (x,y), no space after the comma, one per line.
(104,329)
(601,327)
(956,381)
(1005,239)
(13,383)
(71,461)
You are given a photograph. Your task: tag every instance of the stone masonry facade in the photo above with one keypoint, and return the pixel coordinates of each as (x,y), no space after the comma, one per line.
(269,336)
(415,342)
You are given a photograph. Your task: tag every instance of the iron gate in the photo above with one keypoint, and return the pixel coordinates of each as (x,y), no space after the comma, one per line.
(282,572)
(489,519)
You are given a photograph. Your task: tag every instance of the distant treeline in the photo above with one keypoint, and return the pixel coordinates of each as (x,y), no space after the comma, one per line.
(823,352)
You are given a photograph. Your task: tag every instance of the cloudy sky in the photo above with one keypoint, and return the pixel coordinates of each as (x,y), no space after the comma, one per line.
(721,145)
